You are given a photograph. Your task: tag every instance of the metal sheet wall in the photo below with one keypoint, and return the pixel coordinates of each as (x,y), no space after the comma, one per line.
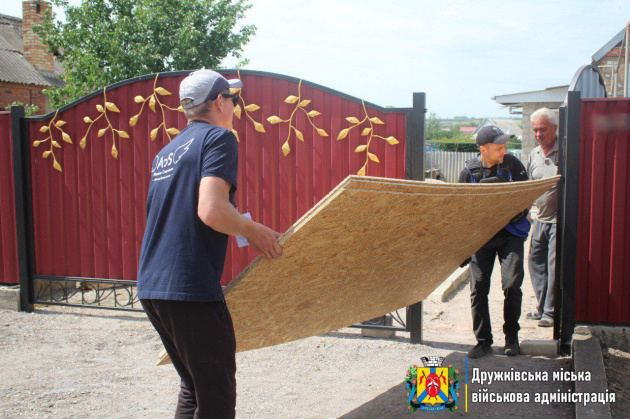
(90,219)
(603,240)
(8,243)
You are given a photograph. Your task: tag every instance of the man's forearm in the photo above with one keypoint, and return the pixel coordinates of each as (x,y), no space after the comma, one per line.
(224,218)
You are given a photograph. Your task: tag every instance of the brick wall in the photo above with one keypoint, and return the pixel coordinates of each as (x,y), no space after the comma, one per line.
(27,94)
(35,51)
(612,68)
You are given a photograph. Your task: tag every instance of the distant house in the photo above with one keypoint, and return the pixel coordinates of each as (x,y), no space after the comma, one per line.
(467,131)
(610,60)
(26,67)
(508,126)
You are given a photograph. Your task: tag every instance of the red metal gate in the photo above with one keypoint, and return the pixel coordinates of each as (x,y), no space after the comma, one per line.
(8,240)
(603,225)
(90,163)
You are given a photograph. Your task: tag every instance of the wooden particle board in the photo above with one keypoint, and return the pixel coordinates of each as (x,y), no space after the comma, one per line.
(370,247)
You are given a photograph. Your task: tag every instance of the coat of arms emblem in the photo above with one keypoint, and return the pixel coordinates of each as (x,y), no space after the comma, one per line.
(432,388)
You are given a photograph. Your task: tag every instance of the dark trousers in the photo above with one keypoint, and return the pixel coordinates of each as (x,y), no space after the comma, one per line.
(199,338)
(509,249)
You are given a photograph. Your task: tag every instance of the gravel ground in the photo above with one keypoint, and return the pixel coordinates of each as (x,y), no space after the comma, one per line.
(68,362)
(617,372)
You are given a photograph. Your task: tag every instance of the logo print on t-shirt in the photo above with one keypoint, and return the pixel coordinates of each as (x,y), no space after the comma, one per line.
(163,162)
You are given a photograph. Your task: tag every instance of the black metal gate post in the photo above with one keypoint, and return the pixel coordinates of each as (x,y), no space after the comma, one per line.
(23,207)
(414,170)
(567,222)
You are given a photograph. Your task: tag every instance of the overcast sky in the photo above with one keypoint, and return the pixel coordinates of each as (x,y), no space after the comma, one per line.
(461,53)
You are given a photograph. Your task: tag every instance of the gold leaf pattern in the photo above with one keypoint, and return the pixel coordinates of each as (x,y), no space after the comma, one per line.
(162,91)
(367,132)
(285,148)
(275,120)
(298,134)
(252,107)
(259,127)
(57,124)
(343,134)
(109,107)
(154,103)
(300,104)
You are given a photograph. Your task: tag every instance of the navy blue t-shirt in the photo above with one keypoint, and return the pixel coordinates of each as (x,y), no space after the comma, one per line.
(181,257)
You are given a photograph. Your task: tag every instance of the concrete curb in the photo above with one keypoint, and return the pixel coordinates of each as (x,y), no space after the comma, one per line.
(10,297)
(452,283)
(548,348)
(587,356)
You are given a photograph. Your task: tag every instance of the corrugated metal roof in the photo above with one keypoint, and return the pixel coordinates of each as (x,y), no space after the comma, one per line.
(10,33)
(589,82)
(550,94)
(615,41)
(15,69)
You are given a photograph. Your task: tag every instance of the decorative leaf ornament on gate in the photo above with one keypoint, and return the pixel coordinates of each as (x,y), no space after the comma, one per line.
(57,124)
(252,107)
(299,104)
(154,99)
(108,106)
(367,132)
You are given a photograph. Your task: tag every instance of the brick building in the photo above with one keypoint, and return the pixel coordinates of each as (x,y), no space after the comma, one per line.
(611,61)
(26,68)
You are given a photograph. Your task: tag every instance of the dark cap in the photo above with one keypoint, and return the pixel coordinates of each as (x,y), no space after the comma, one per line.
(492,134)
(203,85)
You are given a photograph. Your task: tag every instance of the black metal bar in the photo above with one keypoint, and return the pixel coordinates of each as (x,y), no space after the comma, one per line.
(23,206)
(414,164)
(414,170)
(570,218)
(562,142)
(414,322)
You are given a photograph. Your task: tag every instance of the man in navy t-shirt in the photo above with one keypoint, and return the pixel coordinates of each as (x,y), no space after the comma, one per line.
(190,213)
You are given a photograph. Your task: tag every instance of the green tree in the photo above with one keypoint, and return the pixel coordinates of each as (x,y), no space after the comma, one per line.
(101,42)
(433,126)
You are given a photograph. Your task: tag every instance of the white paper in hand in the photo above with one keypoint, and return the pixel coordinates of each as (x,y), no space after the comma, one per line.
(240,240)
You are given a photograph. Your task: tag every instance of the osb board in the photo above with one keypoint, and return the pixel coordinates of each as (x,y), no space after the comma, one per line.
(370,247)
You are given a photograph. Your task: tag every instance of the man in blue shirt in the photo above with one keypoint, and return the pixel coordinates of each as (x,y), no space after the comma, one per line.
(190,213)
(494,164)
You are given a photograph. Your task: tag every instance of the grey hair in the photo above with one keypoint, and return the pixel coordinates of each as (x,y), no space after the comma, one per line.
(547,113)
(197,111)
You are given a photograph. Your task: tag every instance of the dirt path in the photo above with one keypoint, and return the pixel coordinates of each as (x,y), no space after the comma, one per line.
(68,362)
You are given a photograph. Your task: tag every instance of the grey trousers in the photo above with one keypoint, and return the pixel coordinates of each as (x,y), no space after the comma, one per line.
(542,266)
